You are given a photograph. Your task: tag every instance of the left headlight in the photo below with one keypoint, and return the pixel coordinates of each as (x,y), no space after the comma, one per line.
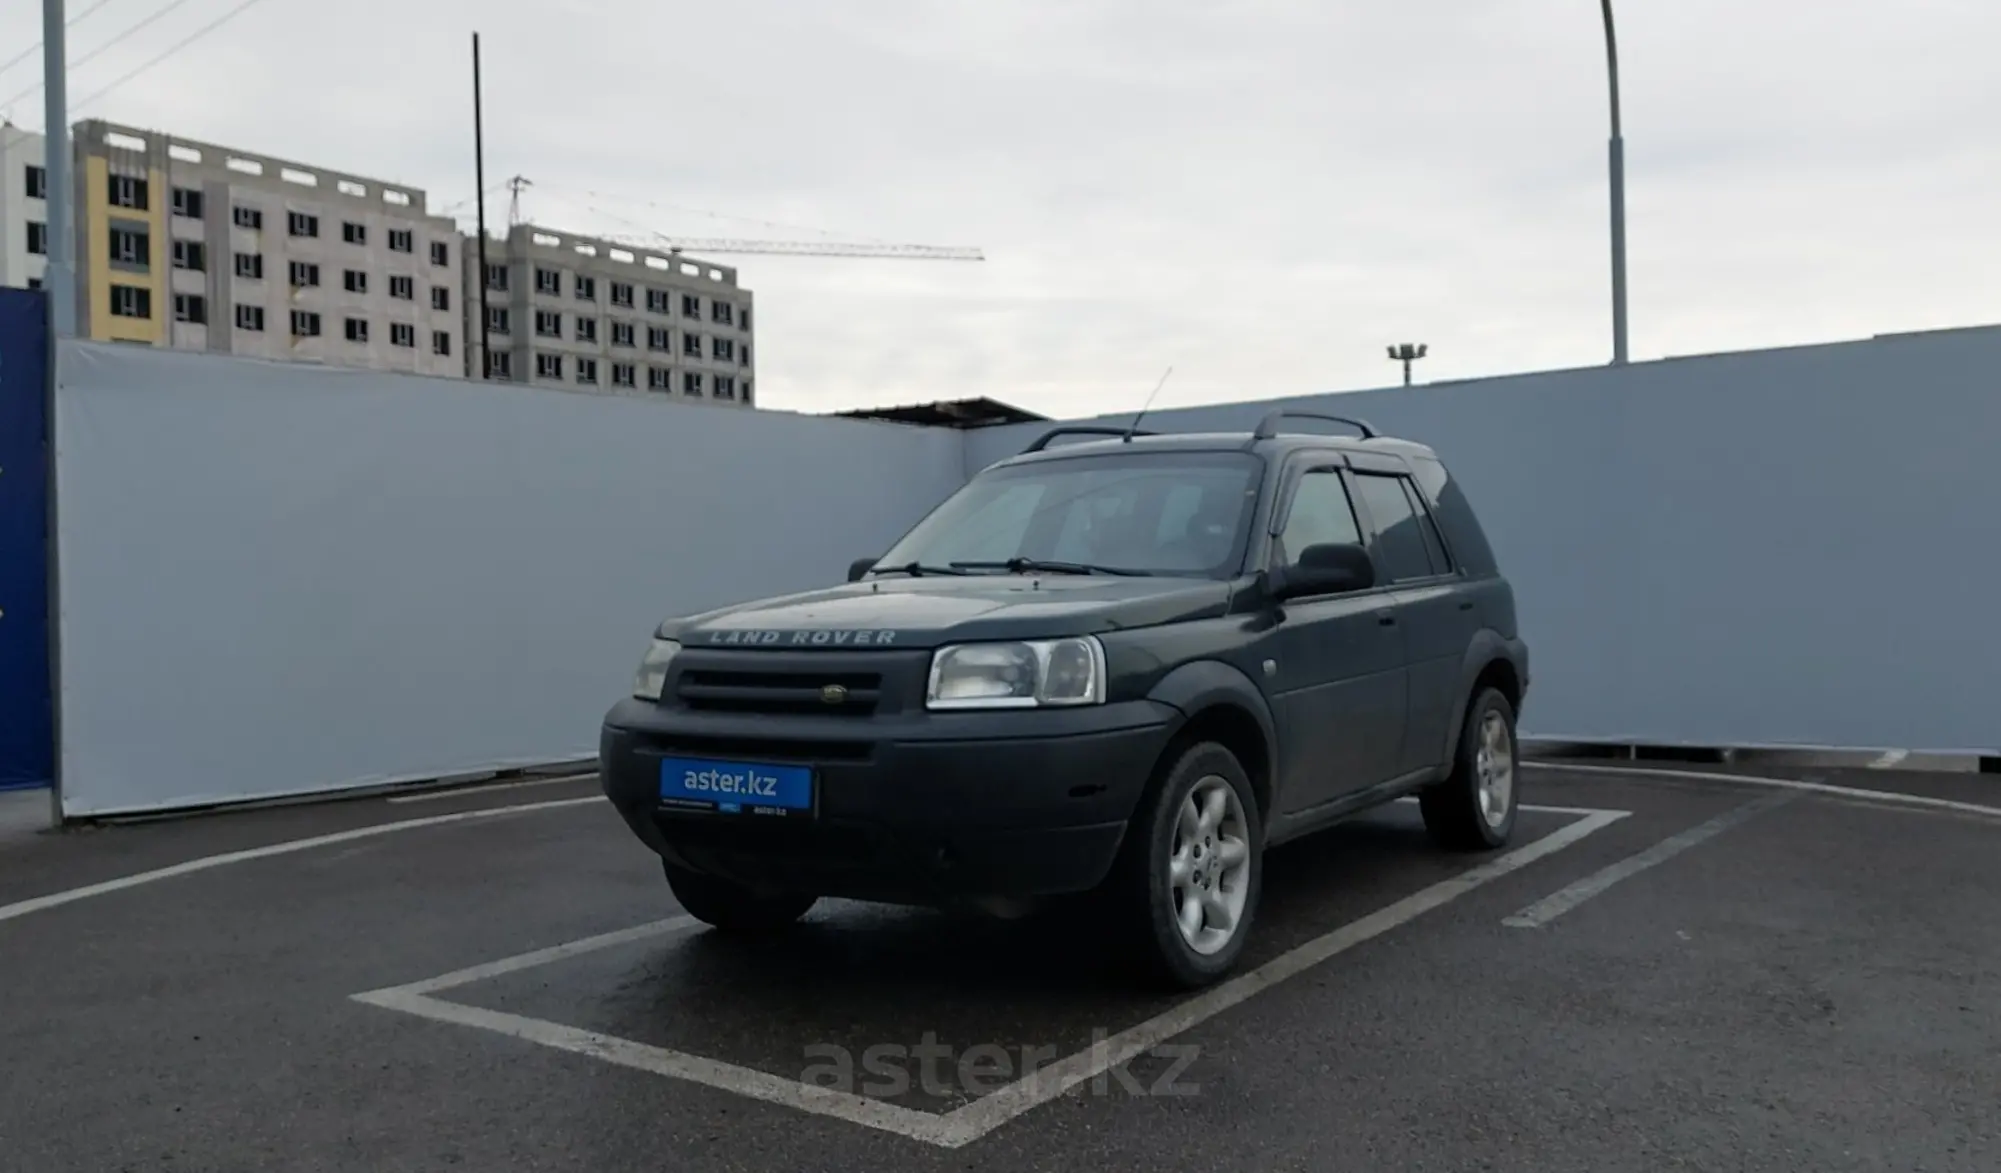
(652,676)
(1020,675)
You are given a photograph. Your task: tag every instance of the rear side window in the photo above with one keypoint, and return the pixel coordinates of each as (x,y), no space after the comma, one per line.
(1463,534)
(1434,545)
(1431,475)
(1400,535)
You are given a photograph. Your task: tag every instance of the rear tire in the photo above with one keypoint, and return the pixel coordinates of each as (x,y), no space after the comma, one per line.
(732,907)
(1193,853)
(1474,809)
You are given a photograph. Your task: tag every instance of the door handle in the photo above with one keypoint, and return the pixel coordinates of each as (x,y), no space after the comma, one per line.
(1465,604)
(1386,618)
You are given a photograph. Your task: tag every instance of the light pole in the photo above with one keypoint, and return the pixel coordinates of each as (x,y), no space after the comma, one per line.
(59,295)
(1407,354)
(59,272)
(479,185)
(1618,164)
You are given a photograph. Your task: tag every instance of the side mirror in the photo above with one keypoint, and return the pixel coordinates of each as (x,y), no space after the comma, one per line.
(860,567)
(1329,569)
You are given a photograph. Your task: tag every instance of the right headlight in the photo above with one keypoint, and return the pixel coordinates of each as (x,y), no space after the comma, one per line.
(651,678)
(1022,674)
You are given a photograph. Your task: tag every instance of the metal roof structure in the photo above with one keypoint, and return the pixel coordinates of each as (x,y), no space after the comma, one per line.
(950,413)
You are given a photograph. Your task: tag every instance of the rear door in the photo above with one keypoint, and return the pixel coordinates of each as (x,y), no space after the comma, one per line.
(1336,660)
(1433,605)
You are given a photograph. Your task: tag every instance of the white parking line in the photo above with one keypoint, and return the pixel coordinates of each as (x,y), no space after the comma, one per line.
(488,788)
(1564,899)
(971,1121)
(743,1081)
(1890,797)
(1890,758)
(990,1112)
(554,953)
(57,899)
(1526,807)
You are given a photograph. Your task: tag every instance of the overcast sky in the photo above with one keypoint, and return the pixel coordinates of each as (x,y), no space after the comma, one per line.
(1262,193)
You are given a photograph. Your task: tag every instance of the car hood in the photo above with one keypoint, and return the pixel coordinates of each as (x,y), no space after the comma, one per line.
(935,609)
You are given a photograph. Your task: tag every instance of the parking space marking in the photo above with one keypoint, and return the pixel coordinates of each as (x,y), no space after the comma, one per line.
(990,1112)
(58,899)
(1528,808)
(971,1121)
(1890,797)
(554,953)
(1889,758)
(1564,899)
(930,1127)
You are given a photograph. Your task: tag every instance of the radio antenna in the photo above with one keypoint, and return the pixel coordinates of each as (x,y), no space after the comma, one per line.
(1127,438)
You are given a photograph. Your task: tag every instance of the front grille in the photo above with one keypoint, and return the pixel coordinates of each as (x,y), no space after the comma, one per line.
(829,694)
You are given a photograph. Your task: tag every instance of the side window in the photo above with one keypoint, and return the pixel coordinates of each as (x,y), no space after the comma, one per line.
(1400,540)
(1466,541)
(1431,475)
(1321,514)
(1427,525)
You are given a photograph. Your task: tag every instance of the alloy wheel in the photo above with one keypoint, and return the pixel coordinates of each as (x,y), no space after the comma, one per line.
(1209,868)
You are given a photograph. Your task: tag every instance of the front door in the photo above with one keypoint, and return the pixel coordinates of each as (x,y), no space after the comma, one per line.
(1338,676)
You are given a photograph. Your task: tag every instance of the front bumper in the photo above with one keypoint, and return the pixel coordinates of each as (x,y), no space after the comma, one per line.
(913,807)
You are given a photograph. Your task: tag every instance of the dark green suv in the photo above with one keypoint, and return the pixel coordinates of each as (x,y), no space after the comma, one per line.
(1122,667)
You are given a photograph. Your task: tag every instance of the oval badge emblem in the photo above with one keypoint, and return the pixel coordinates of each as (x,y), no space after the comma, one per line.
(833,694)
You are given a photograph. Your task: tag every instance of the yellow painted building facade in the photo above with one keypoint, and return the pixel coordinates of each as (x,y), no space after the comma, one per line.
(125,300)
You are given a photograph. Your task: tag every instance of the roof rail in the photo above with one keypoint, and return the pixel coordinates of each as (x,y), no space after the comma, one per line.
(1268,426)
(1077,430)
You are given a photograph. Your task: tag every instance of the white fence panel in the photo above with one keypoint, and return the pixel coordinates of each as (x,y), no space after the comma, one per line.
(280,579)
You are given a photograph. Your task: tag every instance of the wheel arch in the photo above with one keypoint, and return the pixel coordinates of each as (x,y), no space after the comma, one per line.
(1219,703)
(1491,662)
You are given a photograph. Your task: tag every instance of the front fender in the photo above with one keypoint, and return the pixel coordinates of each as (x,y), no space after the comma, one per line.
(1202,684)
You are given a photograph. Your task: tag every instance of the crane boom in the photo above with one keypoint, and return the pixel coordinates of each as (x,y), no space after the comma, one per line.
(801,248)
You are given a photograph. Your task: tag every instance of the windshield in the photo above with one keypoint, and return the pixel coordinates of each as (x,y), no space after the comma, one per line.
(1173,513)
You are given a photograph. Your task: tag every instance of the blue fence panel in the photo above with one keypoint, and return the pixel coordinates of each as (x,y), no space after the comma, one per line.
(27,717)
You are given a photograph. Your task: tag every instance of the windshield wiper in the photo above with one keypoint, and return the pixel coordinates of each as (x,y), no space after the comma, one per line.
(918,569)
(1041,566)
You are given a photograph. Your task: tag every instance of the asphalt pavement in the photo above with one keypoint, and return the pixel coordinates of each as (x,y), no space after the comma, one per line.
(1660,972)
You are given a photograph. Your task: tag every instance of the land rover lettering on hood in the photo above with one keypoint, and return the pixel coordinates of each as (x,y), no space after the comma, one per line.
(1124,666)
(801,638)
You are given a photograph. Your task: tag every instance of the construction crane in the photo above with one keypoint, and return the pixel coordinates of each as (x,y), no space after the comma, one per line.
(678,245)
(798,248)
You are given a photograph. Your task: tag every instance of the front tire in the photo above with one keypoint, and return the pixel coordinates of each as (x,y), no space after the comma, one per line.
(1474,809)
(732,907)
(1187,883)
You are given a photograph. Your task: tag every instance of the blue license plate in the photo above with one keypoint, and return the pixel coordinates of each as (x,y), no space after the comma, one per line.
(736,787)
